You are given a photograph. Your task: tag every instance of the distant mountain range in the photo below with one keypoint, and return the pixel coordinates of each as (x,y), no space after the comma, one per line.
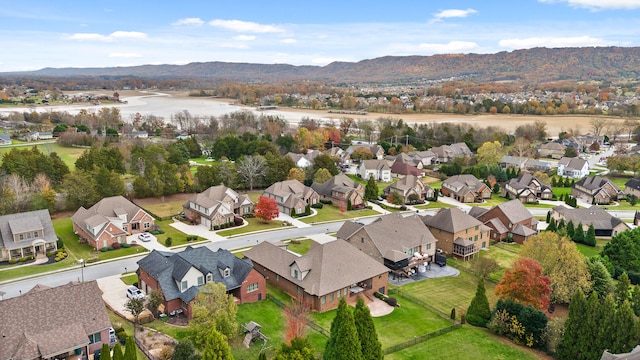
(531,65)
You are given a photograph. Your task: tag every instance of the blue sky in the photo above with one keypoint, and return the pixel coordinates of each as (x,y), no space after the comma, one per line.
(37,34)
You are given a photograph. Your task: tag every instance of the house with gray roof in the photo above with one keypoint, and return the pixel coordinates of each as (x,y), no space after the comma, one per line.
(574,168)
(596,190)
(5,139)
(508,220)
(26,234)
(323,275)
(400,243)
(552,149)
(378,169)
(604,223)
(632,187)
(526,188)
(634,354)
(411,188)
(458,234)
(341,189)
(109,221)
(292,196)
(33,326)
(217,206)
(446,153)
(465,188)
(180,275)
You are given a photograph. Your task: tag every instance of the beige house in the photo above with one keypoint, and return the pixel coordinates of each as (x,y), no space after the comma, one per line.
(526,188)
(292,196)
(411,188)
(218,205)
(552,150)
(632,187)
(596,190)
(465,188)
(604,223)
(26,234)
(508,220)
(458,234)
(340,189)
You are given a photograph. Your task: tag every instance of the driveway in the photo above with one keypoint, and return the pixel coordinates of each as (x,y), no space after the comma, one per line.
(199,230)
(149,245)
(114,295)
(295,222)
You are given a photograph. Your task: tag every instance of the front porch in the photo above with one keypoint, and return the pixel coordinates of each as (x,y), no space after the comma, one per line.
(37,248)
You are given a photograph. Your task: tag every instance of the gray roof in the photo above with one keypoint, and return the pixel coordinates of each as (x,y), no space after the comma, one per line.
(595,182)
(168,267)
(477,211)
(32,326)
(332,266)
(599,218)
(522,230)
(406,183)
(290,191)
(214,197)
(104,210)
(514,210)
(22,222)
(5,137)
(451,220)
(633,355)
(340,182)
(633,184)
(498,226)
(574,163)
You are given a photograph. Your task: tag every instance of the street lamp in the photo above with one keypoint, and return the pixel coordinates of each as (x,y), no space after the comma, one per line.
(125,269)
(82,265)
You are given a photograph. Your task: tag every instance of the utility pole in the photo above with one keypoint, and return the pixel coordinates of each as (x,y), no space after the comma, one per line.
(406,141)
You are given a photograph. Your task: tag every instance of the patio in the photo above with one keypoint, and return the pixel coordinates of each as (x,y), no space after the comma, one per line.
(431,271)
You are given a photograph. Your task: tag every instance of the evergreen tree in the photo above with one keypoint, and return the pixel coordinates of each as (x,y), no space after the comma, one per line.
(479,312)
(130,349)
(623,286)
(263,355)
(117,352)
(561,224)
(578,235)
(184,350)
(607,326)
(371,346)
(591,320)
(552,225)
(590,237)
(624,336)
(548,216)
(601,280)
(343,343)
(635,300)
(299,349)
(571,230)
(105,352)
(371,190)
(569,348)
(216,347)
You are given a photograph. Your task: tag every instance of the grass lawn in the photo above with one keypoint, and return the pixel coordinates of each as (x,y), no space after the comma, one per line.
(589,251)
(130,279)
(495,200)
(300,246)
(270,317)
(255,224)
(68,154)
(539,206)
(117,321)
(622,205)
(619,181)
(177,237)
(503,254)
(381,184)
(166,209)
(21,271)
(469,343)
(432,205)
(435,184)
(557,191)
(330,213)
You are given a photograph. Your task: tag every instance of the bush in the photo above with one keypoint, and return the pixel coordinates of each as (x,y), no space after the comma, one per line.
(116,246)
(104,249)
(22,259)
(50,253)
(317,206)
(59,244)
(13,261)
(125,245)
(110,248)
(31,257)
(238,221)
(392,301)
(92,259)
(168,241)
(216,227)
(325,201)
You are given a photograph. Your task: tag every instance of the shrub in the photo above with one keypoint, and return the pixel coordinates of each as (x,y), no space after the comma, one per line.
(168,241)
(392,301)
(125,245)
(92,259)
(13,261)
(104,249)
(325,201)
(49,253)
(31,257)
(23,259)
(216,227)
(110,248)
(317,206)
(116,246)
(453,314)
(238,221)
(59,244)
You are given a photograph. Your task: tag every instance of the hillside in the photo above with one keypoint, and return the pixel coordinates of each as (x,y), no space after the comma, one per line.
(531,65)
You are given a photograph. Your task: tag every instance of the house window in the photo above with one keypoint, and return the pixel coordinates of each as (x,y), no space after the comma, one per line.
(200,280)
(298,289)
(428,246)
(323,299)
(28,235)
(475,238)
(362,240)
(484,244)
(35,234)
(338,294)
(295,273)
(226,272)
(476,227)
(466,231)
(344,292)
(21,236)
(183,285)
(277,278)
(252,287)
(209,277)
(95,338)
(331,297)
(146,225)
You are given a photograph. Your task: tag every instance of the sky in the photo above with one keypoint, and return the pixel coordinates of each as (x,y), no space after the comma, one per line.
(36,34)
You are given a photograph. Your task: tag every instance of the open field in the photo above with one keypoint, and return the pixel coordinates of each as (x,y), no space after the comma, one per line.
(68,154)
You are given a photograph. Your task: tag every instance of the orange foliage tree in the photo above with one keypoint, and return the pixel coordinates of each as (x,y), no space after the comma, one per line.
(525,283)
(296,316)
(266,209)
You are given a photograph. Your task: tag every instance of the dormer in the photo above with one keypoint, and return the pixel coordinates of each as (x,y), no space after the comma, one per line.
(300,268)
(225,271)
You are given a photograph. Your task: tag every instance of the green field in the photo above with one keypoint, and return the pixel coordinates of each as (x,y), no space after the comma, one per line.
(333,213)
(68,154)
(300,246)
(255,224)
(165,209)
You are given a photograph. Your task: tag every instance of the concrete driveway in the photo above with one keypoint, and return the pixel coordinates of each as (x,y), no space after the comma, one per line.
(114,295)
(149,245)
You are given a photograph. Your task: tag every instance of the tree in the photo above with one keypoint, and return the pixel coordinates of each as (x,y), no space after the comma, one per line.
(371,189)
(571,230)
(590,237)
(485,266)
(327,162)
(570,152)
(296,174)
(624,337)
(371,346)
(525,283)
(597,125)
(395,198)
(105,352)
(252,169)
(321,176)
(108,183)
(623,250)
(296,315)
(117,352)
(569,347)
(130,349)
(156,298)
(266,209)
(343,343)
(521,147)
(479,312)
(184,350)
(299,349)
(622,289)
(213,309)
(601,281)
(490,153)
(216,347)
(561,261)
(578,234)
(79,189)
(135,306)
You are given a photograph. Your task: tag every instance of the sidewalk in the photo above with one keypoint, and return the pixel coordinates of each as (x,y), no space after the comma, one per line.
(450,201)
(295,222)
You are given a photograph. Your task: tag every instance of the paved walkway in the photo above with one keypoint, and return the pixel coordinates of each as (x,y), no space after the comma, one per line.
(199,230)
(322,238)
(377,208)
(434,271)
(293,221)
(454,202)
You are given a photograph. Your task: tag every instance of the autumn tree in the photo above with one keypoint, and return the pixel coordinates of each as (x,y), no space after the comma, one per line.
(252,169)
(266,209)
(343,343)
(395,198)
(371,189)
(297,349)
(525,283)
(321,176)
(521,147)
(213,309)
(561,261)
(327,162)
(479,312)
(295,313)
(490,153)
(296,174)
(369,343)
(485,266)
(360,154)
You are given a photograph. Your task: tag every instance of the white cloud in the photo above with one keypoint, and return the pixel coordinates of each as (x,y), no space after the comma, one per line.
(244,26)
(188,22)
(125,55)
(576,41)
(106,38)
(454,13)
(244,38)
(450,47)
(599,4)
(289,41)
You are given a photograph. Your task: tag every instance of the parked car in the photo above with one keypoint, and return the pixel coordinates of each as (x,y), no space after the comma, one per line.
(134,293)
(144,237)
(112,336)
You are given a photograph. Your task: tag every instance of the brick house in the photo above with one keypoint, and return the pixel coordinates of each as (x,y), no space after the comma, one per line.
(596,190)
(341,189)
(323,275)
(632,187)
(292,196)
(510,219)
(54,322)
(109,221)
(216,206)
(26,234)
(179,276)
(465,188)
(527,189)
(604,223)
(410,187)
(458,234)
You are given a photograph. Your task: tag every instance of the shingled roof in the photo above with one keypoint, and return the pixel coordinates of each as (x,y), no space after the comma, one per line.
(599,218)
(26,221)
(33,325)
(451,220)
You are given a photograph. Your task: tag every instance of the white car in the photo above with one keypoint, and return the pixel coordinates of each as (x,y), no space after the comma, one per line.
(144,237)
(135,293)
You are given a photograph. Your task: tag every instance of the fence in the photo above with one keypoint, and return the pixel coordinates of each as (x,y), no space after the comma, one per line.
(421,303)
(419,339)
(144,349)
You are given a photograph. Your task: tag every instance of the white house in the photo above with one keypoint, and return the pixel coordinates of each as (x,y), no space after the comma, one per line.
(5,139)
(575,168)
(379,169)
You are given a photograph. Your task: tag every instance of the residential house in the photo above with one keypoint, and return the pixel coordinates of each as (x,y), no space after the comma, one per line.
(411,188)
(604,223)
(446,153)
(292,196)
(458,234)
(5,139)
(526,188)
(465,188)
(323,275)
(45,135)
(26,234)
(341,189)
(54,322)
(218,205)
(538,165)
(552,149)
(378,169)
(632,187)
(508,220)
(141,134)
(575,168)
(301,160)
(335,152)
(516,162)
(633,355)
(180,275)
(400,243)
(596,190)
(404,158)
(425,158)
(400,169)
(109,221)
(376,150)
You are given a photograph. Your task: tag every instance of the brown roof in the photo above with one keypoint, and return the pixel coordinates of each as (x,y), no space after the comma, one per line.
(332,266)
(104,211)
(451,220)
(599,218)
(45,322)
(515,211)
(291,192)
